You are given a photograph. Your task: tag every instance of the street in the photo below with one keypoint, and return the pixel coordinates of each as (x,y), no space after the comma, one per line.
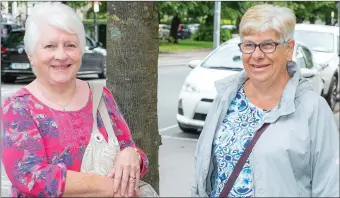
(177,149)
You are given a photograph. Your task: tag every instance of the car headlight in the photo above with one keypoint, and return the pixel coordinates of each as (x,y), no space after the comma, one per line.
(190,88)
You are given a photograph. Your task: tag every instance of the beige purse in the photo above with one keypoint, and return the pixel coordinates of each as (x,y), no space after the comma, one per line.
(99,156)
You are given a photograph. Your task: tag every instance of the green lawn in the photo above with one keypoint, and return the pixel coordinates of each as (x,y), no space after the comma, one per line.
(165,46)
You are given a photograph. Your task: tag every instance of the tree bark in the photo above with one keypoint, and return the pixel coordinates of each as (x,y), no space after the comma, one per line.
(132,59)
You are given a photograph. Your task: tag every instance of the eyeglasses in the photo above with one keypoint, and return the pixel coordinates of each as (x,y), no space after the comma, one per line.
(265,47)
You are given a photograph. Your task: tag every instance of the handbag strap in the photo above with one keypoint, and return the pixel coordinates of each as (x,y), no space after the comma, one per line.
(99,105)
(97,92)
(243,159)
(106,120)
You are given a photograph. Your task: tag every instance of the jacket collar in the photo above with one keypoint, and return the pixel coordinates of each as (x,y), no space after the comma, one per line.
(286,105)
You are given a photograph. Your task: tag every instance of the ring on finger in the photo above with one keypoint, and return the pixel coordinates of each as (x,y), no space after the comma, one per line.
(132,177)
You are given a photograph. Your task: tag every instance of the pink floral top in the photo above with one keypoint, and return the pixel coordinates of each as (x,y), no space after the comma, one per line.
(39,143)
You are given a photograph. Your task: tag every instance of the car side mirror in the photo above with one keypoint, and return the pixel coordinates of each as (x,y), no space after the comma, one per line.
(323,65)
(308,73)
(99,44)
(193,63)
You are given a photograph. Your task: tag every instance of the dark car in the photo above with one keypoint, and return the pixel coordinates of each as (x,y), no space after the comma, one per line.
(183,31)
(6,28)
(14,61)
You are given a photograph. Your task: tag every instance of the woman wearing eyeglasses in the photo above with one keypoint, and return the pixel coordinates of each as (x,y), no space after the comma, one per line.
(267,133)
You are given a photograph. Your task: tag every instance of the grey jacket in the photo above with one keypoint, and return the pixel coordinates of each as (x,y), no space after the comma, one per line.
(298,154)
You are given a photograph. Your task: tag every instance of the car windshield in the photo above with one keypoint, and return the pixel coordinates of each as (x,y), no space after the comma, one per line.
(227,56)
(316,41)
(15,38)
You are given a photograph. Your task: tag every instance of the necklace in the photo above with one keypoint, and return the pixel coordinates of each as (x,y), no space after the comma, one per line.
(62,106)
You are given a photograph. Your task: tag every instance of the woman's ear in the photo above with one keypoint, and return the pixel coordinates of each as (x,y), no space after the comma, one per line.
(290,49)
(30,58)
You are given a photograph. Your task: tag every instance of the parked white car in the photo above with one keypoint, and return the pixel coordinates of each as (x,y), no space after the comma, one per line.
(198,91)
(163,32)
(324,42)
(193,27)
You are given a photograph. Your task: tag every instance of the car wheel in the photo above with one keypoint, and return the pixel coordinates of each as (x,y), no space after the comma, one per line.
(332,93)
(8,79)
(187,129)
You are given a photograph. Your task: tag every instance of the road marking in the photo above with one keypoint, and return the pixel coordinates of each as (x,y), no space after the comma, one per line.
(7,92)
(167,128)
(179,138)
(6,184)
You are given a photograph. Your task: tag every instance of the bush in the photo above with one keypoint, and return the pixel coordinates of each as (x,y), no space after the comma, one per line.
(206,33)
(225,35)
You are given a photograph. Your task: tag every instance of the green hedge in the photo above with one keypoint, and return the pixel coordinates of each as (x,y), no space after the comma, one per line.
(206,33)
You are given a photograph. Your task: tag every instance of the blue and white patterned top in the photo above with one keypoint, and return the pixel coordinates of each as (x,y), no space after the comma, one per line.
(235,132)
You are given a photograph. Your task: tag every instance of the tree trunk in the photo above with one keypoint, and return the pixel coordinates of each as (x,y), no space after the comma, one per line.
(300,19)
(328,19)
(132,59)
(174,29)
(238,21)
(312,20)
(209,20)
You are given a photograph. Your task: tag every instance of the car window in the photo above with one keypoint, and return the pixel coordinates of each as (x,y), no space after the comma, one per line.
(164,27)
(308,58)
(15,38)
(228,55)
(316,41)
(300,59)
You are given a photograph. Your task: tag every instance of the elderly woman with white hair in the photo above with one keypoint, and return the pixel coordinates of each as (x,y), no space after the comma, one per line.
(51,126)
(267,134)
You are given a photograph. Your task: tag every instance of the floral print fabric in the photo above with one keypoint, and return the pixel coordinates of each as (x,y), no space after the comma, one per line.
(39,144)
(235,132)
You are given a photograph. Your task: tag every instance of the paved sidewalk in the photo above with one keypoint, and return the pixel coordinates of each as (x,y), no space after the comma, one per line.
(176,162)
(181,58)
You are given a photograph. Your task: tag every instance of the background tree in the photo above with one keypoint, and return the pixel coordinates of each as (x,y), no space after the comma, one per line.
(132,53)
(232,11)
(178,10)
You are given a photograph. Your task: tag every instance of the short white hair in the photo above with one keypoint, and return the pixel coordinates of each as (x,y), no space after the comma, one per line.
(54,14)
(261,18)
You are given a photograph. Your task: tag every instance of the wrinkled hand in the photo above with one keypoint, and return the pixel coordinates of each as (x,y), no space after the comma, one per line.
(136,193)
(126,172)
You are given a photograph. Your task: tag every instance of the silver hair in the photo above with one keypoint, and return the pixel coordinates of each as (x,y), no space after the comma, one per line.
(264,17)
(54,14)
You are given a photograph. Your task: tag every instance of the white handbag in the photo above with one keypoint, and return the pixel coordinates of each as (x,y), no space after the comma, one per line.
(99,156)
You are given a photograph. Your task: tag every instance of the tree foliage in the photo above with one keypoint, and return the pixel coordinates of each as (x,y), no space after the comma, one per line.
(233,10)
(76,4)
(178,11)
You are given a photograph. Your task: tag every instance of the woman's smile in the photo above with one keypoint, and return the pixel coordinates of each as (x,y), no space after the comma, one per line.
(61,67)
